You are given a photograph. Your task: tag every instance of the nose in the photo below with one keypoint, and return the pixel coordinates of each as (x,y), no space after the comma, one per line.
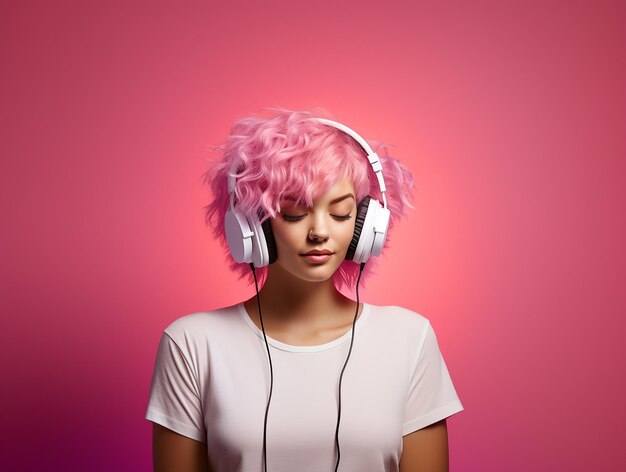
(319,231)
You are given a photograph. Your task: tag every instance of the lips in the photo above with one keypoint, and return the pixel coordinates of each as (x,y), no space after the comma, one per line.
(317,252)
(318,256)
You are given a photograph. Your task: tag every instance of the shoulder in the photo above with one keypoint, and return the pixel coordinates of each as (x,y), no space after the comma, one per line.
(192,329)
(399,325)
(399,316)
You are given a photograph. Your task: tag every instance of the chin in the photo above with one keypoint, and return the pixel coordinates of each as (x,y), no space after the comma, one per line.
(313,273)
(314,276)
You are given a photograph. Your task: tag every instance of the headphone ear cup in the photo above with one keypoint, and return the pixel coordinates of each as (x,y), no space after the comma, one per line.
(238,236)
(272,251)
(361,213)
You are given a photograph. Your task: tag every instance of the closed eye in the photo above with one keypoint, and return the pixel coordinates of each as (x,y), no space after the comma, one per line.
(293,219)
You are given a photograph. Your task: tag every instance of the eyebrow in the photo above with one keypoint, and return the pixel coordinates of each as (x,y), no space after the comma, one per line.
(336,200)
(347,195)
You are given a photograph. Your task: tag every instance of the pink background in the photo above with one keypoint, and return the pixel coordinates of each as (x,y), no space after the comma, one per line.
(510,114)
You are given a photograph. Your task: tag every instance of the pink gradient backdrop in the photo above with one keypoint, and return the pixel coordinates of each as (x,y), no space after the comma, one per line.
(510,114)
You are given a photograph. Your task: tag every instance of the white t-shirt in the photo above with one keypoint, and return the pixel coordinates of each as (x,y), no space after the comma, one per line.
(211,383)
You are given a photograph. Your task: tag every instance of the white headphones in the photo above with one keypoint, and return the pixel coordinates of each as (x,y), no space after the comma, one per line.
(249,240)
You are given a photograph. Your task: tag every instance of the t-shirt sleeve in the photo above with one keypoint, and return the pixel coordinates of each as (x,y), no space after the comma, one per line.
(175,400)
(431,396)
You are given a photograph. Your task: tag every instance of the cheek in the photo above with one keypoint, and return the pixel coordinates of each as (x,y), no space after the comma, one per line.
(284,235)
(346,233)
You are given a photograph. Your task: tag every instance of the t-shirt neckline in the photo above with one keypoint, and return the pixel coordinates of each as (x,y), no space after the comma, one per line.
(293,348)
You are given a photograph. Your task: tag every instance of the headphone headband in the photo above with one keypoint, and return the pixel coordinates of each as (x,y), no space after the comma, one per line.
(372,157)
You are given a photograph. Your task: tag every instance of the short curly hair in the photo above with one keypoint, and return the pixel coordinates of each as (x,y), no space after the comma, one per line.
(289,153)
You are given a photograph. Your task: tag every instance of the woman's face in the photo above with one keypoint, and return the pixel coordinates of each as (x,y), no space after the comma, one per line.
(327,227)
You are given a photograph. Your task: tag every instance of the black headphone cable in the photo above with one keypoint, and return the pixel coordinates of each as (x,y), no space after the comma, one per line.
(362,265)
(256,285)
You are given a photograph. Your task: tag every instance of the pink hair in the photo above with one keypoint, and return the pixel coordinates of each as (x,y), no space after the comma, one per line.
(289,154)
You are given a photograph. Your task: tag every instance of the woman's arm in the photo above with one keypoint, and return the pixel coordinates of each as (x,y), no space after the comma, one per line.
(172,452)
(426,450)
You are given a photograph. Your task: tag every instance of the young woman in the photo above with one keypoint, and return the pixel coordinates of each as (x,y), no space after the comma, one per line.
(300,377)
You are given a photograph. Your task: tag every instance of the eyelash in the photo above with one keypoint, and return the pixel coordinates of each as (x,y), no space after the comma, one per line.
(295,219)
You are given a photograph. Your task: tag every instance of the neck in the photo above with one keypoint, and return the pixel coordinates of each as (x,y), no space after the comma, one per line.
(295,300)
